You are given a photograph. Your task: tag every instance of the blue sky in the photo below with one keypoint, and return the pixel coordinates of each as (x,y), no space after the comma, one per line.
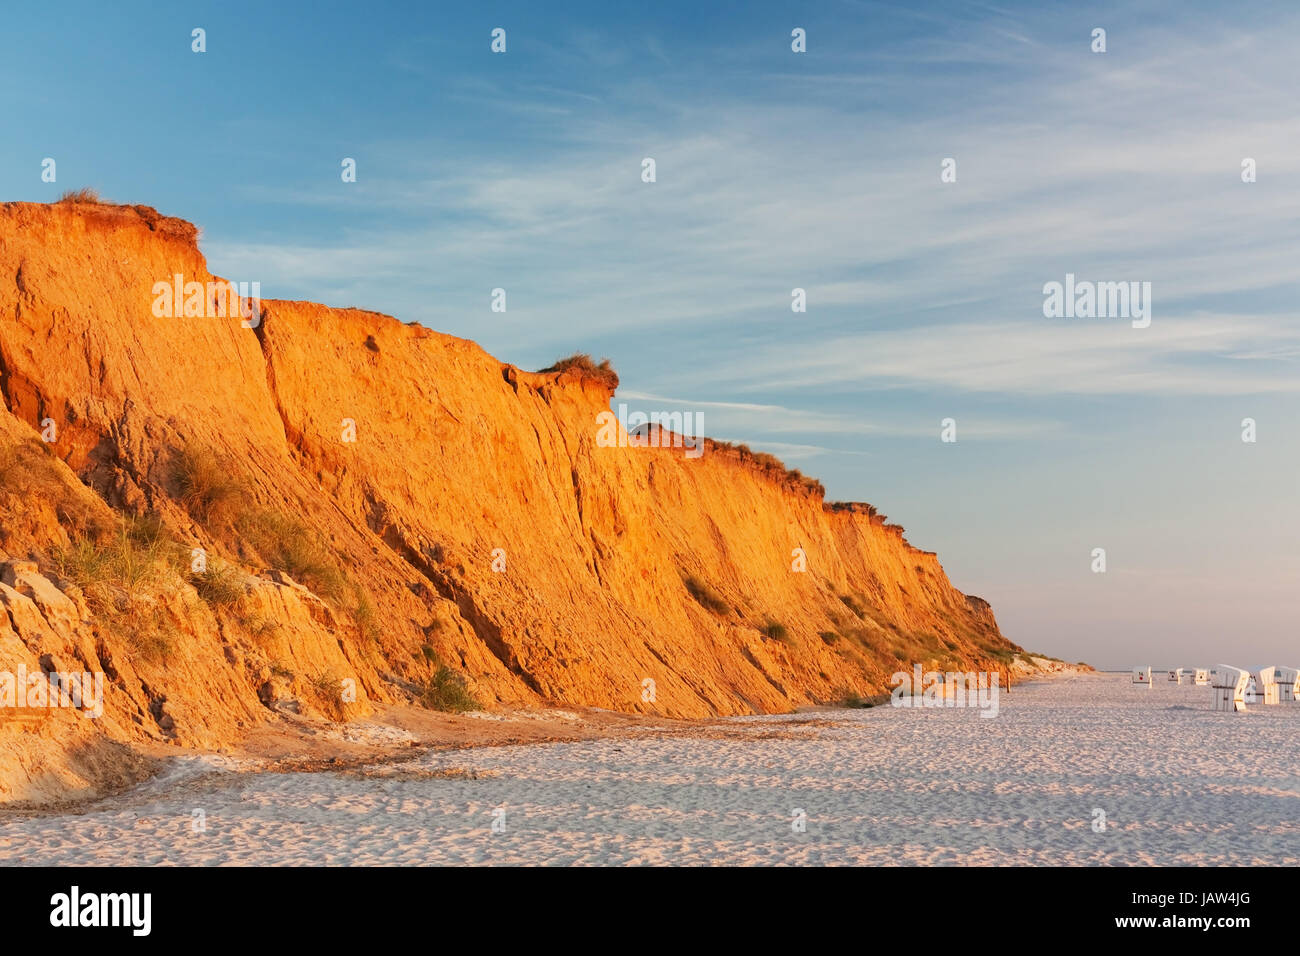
(778,170)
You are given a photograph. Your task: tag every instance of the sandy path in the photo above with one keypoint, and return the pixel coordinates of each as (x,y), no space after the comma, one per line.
(1179,784)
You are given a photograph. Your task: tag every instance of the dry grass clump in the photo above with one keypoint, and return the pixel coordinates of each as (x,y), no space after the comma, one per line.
(777,632)
(446,690)
(260,629)
(328,691)
(115,571)
(151,635)
(853,507)
(850,602)
(221,585)
(30,473)
(211,492)
(204,485)
(771,467)
(704,596)
(84,195)
(26,465)
(122,573)
(119,578)
(363,612)
(291,546)
(584,364)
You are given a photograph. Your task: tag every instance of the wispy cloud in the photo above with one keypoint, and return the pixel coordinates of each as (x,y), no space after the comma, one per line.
(766,420)
(1125,168)
(1196,355)
(826,177)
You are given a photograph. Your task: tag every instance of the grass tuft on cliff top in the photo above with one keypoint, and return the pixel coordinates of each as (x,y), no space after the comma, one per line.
(83,195)
(584,364)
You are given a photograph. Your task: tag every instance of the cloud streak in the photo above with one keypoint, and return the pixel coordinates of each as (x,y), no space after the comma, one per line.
(909,281)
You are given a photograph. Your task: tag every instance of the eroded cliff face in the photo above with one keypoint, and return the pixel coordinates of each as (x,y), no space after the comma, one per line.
(381,499)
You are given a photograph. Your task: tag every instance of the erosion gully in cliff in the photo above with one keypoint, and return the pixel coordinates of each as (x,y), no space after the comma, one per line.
(327,510)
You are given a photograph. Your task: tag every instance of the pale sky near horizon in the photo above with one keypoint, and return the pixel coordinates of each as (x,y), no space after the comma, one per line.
(777,170)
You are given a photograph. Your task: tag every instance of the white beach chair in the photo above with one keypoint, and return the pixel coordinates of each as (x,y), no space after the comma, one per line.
(1176,675)
(1202,677)
(1142,675)
(1266,684)
(1288,684)
(1229,685)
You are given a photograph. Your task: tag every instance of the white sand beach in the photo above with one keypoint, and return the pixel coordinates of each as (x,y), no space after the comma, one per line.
(1178,784)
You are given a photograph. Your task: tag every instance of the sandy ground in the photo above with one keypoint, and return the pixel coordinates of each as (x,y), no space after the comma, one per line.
(1178,784)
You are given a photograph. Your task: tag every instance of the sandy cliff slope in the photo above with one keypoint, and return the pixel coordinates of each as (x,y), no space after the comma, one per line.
(377,509)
